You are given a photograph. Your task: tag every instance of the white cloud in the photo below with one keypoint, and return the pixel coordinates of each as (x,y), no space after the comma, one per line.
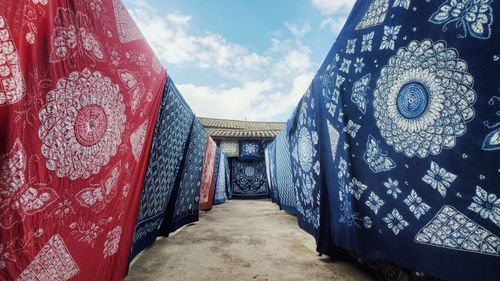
(265,86)
(334,23)
(257,100)
(298,31)
(330,7)
(171,40)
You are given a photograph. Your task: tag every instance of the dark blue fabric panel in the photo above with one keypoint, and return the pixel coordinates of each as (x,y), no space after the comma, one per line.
(409,128)
(229,191)
(188,196)
(249,179)
(284,180)
(272,183)
(169,141)
(305,164)
(250,150)
(220,180)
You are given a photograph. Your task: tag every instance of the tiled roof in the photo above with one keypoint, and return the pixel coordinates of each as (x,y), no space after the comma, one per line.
(235,129)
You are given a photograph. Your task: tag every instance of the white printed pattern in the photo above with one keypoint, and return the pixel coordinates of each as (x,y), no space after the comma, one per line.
(125,25)
(19,198)
(375,15)
(12,86)
(451,229)
(137,139)
(53,262)
(81,125)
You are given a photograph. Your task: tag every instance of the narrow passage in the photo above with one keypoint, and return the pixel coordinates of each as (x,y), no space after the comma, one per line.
(241,240)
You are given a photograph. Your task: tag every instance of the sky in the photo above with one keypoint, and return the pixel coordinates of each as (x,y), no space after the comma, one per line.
(241,59)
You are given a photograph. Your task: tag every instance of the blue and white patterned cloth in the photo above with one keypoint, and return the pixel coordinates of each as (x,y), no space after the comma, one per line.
(407,121)
(169,141)
(249,179)
(250,150)
(229,192)
(283,175)
(306,166)
(220,180)
(188,195)
(270,154)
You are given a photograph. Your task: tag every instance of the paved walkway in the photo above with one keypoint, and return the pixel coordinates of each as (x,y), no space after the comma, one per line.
(241,240)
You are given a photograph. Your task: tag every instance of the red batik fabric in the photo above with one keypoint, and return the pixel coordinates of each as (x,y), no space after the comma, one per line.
(79,95)
(207,187)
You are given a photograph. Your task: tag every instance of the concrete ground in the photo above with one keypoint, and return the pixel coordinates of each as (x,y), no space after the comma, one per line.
(241,240)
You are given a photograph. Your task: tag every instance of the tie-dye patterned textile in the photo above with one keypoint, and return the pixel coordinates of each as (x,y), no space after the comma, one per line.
(169,145)
(185,209)
(250,150)
(229,192)
(220,183)
(80,91)
(283,175)
(249,179)
(407,123)
(207,188)
(272,179)
(303,130)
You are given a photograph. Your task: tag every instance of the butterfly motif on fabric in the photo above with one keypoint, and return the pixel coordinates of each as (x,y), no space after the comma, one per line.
(135,88)
(376,158)
(20,198)
(73,34)
(492,140)
(359,92)
(97,197)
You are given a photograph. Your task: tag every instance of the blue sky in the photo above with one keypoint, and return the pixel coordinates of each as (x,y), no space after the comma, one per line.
(241,59)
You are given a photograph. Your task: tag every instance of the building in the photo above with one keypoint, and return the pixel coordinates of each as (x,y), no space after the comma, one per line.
(244,144)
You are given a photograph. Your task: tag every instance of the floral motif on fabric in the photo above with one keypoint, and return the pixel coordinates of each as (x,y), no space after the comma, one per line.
(438,178)
(453,230)
(390,37)
(416,204)
(249,178)
(423,99)
(395,221)
(81,124)
(19,197)
(375,14)
(304,155)
(374,202)
(112,242)
(366,44)
(473,17)
(12,86)
(486,205)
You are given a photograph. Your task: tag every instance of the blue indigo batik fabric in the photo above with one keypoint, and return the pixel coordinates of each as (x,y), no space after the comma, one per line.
(249,179)
(220,180)
(250,150)
(169,141)
(409,131)
(284,180)
(273,183)
(229,191)
(188,195)
(305,163)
